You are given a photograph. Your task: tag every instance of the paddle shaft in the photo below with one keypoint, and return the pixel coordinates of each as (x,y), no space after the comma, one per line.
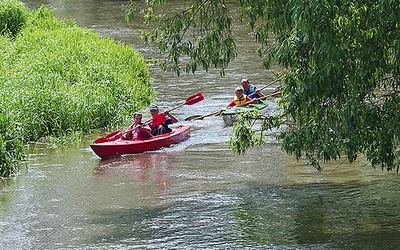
(176,107)
(201,117)
(157,120)
(190,101)
(258,99)
(266,86)
(271,83)
(105,138)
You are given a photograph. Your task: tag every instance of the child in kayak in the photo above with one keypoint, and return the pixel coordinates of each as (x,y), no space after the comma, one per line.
(138,130)
(239,98)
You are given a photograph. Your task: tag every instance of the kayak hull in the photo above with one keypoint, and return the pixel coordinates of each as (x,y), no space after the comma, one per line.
(121,147)
(229,115)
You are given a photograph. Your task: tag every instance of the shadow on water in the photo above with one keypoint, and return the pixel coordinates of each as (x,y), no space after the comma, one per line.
(319,216)
(313,216)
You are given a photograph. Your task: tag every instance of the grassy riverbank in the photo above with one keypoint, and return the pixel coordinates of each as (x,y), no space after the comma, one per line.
(58,80)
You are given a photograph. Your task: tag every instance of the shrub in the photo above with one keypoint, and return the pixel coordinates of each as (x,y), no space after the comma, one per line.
(58,79)
(13,15)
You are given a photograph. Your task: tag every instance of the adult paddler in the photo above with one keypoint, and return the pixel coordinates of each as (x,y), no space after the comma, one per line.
(163,128)
(250,90)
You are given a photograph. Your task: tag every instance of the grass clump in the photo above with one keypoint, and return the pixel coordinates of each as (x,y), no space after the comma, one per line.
(59,80)
(13,15)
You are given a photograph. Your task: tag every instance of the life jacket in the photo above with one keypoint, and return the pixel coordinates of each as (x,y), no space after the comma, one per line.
(240,101)
(155,129)
(136,134)
(251,90)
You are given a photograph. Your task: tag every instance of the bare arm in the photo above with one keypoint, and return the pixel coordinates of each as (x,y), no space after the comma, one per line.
(146,128)
(174,120)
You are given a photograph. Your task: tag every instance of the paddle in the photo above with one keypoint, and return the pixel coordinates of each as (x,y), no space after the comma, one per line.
(190,100)
(105,138)
(156,120)
(216,113)
(201,117)
(266,86)
(258,99)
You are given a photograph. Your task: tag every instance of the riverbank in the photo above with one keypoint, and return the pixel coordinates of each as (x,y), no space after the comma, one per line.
(60,81)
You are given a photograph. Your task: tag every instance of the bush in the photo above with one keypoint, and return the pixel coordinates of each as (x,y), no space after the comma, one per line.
(13,15)
(58,79)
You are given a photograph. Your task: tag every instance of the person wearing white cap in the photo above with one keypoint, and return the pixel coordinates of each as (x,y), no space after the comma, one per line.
(163,128)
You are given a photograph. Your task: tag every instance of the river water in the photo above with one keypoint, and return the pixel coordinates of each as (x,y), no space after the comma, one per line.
(195,195)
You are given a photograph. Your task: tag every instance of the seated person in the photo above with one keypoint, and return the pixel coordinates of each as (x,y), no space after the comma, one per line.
(239,98)
(163,128)
(250,90)
(138,130)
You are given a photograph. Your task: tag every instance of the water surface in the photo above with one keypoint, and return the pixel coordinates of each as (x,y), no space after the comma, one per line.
(198,194)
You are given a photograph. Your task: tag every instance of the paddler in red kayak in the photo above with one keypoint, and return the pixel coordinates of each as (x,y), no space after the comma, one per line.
(138,130)
(163,128)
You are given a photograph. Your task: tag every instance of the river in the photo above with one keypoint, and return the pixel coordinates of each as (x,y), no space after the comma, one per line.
(197,194)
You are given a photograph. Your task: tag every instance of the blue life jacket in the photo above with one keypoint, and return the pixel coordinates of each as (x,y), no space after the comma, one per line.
(250,92)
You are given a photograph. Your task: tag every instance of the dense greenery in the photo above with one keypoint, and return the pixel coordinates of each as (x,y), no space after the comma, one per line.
(340,61)
(59,81)
(13,15)
(210,43)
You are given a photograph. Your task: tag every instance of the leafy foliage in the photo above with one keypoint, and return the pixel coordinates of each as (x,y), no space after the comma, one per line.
(13,15)
(340,82)
(190,33)
(59,81)
(245,134)
(341,89)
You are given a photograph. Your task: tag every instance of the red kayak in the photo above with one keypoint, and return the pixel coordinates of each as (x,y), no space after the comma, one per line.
(120,146)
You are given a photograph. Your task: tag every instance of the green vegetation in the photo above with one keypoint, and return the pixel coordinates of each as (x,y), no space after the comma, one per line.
(13,15)
(59,81)
(340,61)
(202,32)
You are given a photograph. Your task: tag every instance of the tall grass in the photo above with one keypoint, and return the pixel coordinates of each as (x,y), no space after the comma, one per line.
(13,15)
(58,79)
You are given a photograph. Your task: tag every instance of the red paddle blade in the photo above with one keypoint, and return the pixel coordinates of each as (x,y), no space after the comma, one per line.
(158,119)
(105,138)
(194,99)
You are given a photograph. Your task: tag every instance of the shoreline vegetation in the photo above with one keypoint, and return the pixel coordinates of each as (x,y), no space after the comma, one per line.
(59,81)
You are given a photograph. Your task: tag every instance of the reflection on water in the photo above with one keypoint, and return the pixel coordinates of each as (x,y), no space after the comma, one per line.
(197,194)
(190,197)
(320,216)
(149,171)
